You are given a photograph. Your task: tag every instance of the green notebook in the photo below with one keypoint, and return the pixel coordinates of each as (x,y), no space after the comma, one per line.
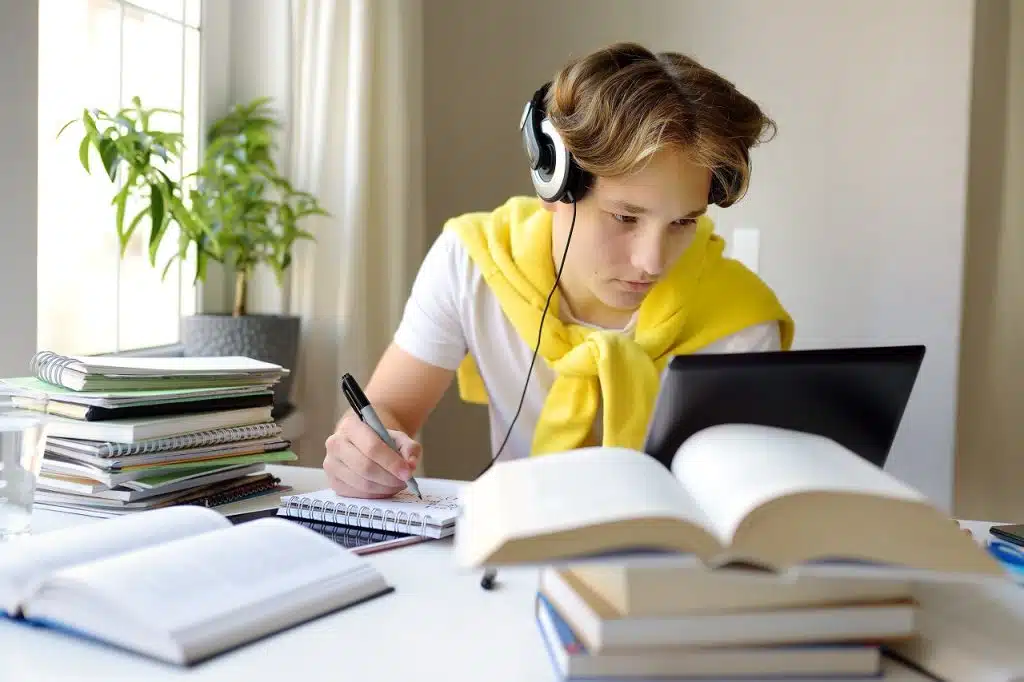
(34,387)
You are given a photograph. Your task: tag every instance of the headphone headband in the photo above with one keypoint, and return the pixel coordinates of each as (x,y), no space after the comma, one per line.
(557,176)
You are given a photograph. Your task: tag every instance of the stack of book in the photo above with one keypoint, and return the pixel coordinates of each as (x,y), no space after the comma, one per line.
(642,622)
(130,434)
(758,553)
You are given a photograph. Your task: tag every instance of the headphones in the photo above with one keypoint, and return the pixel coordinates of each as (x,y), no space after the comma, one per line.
(556,175)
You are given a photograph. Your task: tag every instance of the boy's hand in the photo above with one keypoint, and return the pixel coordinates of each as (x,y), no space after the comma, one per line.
(359,464)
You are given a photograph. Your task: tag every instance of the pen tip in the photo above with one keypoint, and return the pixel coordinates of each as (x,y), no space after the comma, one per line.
(414,488)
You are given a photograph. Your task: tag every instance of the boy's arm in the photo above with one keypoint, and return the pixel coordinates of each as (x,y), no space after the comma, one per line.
(405,390)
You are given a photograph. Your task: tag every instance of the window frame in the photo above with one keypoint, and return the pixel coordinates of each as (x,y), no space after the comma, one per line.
(214,99)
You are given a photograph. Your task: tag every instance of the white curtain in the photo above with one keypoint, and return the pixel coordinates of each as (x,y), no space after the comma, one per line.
(353,138)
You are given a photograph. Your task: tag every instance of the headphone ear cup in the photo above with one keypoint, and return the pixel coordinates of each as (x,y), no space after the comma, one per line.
(528,129)
(553,176)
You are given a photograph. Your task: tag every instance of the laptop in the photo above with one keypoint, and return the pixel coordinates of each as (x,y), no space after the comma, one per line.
(855,396)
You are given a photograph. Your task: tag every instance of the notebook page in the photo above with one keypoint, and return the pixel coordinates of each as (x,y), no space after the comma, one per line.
(173,366)
(732,469)
(440,502)
(181,585)
(27,561)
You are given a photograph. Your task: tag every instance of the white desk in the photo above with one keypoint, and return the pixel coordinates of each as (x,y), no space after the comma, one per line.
(438,624)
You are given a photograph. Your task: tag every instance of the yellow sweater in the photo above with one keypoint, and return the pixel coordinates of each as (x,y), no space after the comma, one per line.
(703,298)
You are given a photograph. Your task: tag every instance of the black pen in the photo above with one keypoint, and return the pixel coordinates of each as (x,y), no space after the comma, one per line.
(357,399)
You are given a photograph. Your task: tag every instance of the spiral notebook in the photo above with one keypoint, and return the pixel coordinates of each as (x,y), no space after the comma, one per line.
(433,516)
(108,373)
(185,441)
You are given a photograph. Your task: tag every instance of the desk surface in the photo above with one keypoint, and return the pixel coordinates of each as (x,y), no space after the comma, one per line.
(438,624)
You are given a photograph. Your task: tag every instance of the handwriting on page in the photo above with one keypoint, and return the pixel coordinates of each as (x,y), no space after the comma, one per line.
(442,502)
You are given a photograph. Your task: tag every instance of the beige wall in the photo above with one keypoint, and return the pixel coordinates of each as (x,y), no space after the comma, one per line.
(19,121)
(860,200)
(990,444)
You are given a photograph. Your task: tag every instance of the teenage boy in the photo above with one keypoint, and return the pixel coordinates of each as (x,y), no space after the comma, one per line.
(627,149)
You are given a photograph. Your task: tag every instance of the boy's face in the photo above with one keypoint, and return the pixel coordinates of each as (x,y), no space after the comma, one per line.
(629,232)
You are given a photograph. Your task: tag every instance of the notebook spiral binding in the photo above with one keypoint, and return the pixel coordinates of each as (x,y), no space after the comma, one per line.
(47,366)
(258,486)
(357,515)
(193,440)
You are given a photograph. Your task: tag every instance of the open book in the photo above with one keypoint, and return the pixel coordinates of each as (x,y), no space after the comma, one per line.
(736,493)
(180,584)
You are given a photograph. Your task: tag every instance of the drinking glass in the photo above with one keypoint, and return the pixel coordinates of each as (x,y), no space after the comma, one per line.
(22,443)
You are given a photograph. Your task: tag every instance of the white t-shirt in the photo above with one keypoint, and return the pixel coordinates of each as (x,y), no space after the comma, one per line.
(451,311)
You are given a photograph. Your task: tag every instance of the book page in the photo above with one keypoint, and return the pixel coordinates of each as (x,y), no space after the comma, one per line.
(730,470)
(184,584)
(27,561)
(567,491)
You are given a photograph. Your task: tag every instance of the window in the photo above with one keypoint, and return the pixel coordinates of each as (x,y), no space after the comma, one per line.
(100,54)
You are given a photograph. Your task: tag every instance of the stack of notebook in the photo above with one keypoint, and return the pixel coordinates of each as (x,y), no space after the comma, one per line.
(130,434)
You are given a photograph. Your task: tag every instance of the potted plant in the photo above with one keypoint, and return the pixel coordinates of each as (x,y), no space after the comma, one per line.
(236,209)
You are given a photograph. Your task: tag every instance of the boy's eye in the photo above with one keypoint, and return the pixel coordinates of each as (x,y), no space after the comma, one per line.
(686,222)
(624,218)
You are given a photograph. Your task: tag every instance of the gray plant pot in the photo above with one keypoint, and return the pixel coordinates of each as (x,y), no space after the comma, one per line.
(270,338)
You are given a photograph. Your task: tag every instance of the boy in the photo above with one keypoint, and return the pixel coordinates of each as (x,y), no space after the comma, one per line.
(627,149)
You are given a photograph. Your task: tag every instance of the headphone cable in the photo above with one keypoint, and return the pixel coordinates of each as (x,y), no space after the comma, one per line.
(540,329)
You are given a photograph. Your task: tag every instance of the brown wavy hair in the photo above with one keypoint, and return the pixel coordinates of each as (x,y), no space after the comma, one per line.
(618,106)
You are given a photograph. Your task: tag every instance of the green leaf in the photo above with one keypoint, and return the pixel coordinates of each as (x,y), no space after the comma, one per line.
(121,201)
(109,156)
(167,267)
(65,127)
(168,183)
(83,153)
(157,218)
(90,126)
(126,237)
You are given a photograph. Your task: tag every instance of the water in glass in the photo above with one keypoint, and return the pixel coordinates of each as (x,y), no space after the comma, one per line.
(21,458)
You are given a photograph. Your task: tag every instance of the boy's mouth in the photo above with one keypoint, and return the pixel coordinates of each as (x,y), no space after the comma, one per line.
(636,286)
